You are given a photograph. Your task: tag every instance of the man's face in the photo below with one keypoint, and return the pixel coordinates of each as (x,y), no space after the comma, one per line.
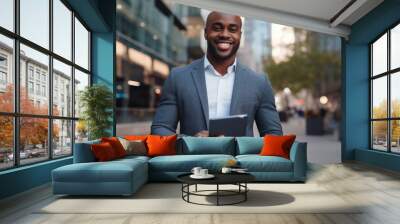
(223,34)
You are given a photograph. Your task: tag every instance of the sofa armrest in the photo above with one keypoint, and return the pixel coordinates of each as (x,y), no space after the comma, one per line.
(83,152)
(298,155)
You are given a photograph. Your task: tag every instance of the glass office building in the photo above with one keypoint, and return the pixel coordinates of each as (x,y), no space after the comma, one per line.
(152,37)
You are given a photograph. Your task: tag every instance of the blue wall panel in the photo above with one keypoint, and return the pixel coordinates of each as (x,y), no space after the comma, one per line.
(377,158)
(24,178)
(356,121)
(103,59)
(356,90)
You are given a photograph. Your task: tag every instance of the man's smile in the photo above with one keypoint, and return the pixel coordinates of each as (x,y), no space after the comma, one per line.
(224,45)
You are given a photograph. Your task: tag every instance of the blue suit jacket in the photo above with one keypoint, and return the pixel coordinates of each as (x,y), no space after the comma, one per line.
(184,100)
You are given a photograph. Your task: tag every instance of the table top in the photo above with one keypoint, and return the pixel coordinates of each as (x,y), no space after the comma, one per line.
(220,178)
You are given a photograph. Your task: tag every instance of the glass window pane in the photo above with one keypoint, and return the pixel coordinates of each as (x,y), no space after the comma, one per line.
(7,14)
(81,131)
(62,138)
(34,97)
(81,45)
(62,29)
(62,89)
(6,142)
(33,139)
(6,74)
(81,81)
(395,94)
(395,136)
(35,21)
(395,47)
(379,98)
(379,55)
(379,135)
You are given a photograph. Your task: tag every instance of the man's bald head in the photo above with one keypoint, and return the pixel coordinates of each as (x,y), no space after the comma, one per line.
(214,15)
(223,33)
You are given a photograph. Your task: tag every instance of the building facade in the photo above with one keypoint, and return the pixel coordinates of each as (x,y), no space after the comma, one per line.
(34,90)
(152,37)
(256,44)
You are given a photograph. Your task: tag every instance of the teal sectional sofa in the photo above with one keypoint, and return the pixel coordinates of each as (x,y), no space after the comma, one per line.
(125,176)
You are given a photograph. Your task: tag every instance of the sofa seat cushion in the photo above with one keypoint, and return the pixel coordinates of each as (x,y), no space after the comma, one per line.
(133,157)
(257,163)
(185,163)
(113,171)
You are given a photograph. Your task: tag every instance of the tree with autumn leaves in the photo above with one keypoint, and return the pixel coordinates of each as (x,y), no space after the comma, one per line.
(379,128)
(33,131)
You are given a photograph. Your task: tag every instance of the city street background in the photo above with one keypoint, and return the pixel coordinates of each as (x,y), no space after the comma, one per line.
(304,69)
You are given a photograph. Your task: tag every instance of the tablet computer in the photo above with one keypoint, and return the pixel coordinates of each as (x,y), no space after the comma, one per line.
(234,125)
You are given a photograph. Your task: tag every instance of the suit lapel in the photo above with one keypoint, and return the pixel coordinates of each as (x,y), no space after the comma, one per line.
(237,87)
(200,83)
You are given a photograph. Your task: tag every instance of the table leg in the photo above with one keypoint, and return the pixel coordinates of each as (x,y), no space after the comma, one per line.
(217,194)
(245,193)
(188,190)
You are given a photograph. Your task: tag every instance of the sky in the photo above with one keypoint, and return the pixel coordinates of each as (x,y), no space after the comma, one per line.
(379,58)
(35,27)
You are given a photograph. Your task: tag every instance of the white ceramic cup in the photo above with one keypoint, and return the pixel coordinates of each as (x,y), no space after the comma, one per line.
(196,171)
(203,172)
(226,170)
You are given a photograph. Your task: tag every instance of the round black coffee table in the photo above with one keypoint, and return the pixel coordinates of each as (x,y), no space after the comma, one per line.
(238,179)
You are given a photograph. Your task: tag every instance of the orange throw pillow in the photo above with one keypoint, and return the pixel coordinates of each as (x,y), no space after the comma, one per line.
(161,145)
(103,152)
(116,145)
(277,145)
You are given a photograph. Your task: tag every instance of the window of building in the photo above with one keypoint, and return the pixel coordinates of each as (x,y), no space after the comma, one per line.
(3,61)
(30,87)
(3,72)
(38,89)
(3,78)
(38,74)
(55,128)
(44,91)
(385,96)
(43,77)
(30,72)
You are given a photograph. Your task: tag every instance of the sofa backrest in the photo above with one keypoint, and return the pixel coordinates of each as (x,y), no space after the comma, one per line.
(191,146)
(206,145)
(249,145)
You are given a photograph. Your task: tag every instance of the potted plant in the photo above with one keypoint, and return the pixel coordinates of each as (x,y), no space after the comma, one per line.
(96,103)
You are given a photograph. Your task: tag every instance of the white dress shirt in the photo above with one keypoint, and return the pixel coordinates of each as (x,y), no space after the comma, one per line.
(219,89)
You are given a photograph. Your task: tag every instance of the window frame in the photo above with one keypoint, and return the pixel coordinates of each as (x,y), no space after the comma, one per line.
(388,74)
(16,114)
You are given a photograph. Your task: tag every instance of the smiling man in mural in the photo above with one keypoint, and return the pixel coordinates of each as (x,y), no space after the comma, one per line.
(215,86)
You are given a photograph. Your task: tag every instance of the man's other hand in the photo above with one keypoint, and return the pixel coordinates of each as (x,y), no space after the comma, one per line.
(202,133)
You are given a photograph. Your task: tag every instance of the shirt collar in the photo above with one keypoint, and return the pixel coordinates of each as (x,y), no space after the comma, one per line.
(208,65)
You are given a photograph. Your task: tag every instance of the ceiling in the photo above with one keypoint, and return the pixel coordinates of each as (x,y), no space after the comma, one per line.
(333,17)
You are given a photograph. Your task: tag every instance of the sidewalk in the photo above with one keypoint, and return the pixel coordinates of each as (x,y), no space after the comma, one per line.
(320,149)
(323,149)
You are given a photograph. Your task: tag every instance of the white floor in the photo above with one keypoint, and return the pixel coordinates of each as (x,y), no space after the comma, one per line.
(377,190)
